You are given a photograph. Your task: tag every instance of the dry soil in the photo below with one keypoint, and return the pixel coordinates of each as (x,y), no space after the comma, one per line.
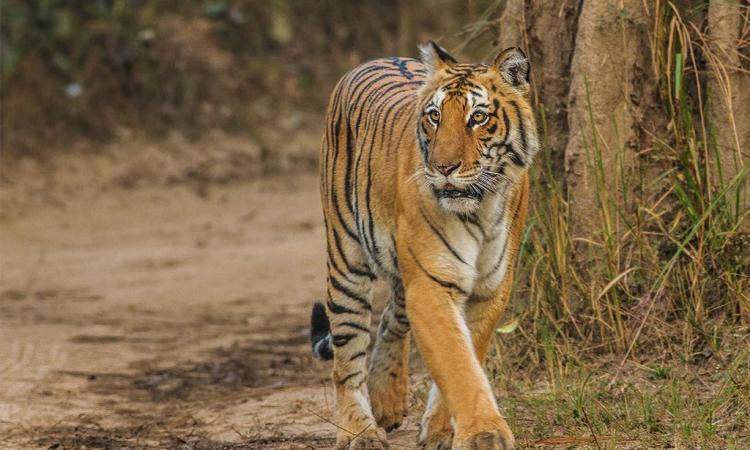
(165,317)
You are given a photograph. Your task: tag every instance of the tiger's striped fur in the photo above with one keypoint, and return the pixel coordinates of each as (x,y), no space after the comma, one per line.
(424,184)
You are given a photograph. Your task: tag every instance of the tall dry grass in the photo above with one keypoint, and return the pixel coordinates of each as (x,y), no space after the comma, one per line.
(669,259)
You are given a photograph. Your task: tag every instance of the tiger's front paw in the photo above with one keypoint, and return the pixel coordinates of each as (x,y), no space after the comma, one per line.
(436,431)
(440,440)
(499,439)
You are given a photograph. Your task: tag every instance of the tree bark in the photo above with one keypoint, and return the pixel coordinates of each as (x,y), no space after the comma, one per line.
(608,49)
(729,90)
(547,32)
(593,82)
(587,60)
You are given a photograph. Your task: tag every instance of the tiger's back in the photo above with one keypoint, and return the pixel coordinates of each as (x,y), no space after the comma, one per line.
(370,117)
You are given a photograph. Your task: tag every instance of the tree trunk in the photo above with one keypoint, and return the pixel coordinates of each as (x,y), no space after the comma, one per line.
(729,27)
(588,60)
(598,158)
(550,53)
(594,84)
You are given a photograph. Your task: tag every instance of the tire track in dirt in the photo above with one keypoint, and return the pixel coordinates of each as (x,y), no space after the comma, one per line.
(165,320)
(29,360)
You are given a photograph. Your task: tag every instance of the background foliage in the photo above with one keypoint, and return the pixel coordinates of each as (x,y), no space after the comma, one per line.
(83,69)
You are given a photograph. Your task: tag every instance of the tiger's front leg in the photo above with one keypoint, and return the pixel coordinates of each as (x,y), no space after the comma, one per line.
(482,314)
(434,308)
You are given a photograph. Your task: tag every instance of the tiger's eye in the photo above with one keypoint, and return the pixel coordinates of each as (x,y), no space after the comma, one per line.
(434,115)
(478,117)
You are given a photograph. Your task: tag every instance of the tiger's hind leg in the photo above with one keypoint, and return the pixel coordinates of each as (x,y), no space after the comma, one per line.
(388,382)
(349,311)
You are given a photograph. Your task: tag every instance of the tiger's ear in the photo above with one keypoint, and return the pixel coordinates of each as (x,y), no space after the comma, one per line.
(435,57)
(514,68)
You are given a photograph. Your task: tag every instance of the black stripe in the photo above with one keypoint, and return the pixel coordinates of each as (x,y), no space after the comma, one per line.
(349,377)
(443,283)
(340,340)
(349,266)
(394,260)
(335,202)
(351,198)
(521,126)
(471,232)
(357,75)
(397,332)
(472,219)
(506,121)
(499,261)
(357,355)
(401,64)
(497,264)
(440,235)
(400,318)
(335,134)
(499,221)
(505,244)
(383,91)
(393,336)
(398,296)
(338,309)
(518,207)
(398,107)
(331,264)
(364,83)
(354,325)
(371,100)
(401,107)
(347,292)
(515,157)
(347,173)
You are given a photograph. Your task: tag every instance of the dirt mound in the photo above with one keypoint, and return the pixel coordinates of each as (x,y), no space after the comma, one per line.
(129,163)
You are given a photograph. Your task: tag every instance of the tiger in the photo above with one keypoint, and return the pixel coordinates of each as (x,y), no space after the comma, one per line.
(424,185)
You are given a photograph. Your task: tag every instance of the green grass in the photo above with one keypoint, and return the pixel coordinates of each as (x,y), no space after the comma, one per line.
(669,403)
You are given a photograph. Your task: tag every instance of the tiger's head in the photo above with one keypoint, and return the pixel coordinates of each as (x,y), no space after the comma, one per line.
(475,128)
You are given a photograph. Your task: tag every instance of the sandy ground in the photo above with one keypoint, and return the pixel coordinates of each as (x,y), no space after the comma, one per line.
(150,317)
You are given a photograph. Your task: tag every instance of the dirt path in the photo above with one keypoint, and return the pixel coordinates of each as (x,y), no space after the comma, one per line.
(161,318)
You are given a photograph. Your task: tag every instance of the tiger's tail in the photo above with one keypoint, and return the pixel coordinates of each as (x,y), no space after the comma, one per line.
(320,332)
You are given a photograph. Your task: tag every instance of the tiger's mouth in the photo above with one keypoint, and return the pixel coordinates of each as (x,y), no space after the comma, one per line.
(449,191)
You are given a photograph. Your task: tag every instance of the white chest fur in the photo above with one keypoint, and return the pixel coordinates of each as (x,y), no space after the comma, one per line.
(480,244)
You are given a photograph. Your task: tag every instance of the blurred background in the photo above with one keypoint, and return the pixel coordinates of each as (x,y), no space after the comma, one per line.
(161,241)
(87,72)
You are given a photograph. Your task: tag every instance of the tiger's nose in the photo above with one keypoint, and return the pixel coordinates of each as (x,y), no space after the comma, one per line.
(447,169)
